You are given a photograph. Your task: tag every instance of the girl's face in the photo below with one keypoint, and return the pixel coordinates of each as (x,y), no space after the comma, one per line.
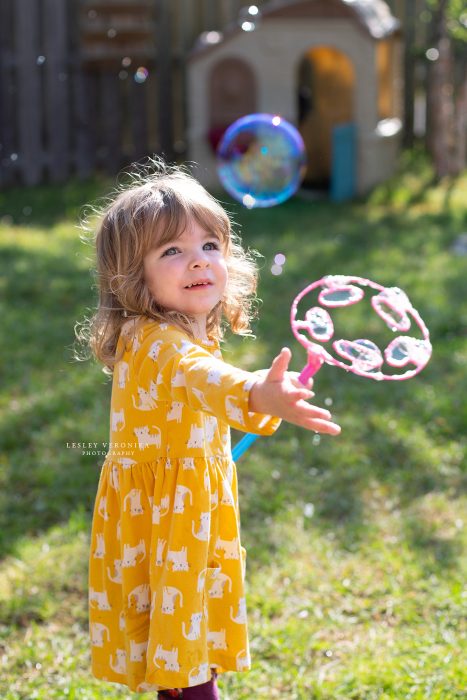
(188,274)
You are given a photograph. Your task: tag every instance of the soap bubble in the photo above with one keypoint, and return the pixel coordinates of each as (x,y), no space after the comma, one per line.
(261,160)
(141,75)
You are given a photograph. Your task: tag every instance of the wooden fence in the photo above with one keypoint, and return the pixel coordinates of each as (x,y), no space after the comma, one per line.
(90,85)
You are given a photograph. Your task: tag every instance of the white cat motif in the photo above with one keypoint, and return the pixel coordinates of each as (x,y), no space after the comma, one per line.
(195,627)
(169,597)
(118,417)
(130,554)
(170,658)
(98,632)
(145,438)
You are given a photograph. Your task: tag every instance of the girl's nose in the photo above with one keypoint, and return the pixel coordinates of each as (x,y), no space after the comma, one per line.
(199,260)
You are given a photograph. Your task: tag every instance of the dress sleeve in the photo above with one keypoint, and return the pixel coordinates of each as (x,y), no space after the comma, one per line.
(180,370)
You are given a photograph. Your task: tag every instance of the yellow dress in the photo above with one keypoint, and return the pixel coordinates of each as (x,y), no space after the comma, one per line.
(166,566)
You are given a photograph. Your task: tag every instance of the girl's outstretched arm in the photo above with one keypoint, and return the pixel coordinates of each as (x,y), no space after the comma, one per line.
(278,394)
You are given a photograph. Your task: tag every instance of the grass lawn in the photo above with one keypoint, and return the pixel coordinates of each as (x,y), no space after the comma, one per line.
(355,543)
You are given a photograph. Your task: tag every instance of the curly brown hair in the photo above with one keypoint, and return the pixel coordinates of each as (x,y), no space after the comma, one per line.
(153,209)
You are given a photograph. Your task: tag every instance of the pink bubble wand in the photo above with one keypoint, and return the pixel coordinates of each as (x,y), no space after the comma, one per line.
(362,357)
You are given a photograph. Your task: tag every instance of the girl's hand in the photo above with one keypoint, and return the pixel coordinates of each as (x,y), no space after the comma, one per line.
(279,393)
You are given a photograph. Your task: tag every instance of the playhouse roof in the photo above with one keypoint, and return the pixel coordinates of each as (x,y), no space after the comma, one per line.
(373,16)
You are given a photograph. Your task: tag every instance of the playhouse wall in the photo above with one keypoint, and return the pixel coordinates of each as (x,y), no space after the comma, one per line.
(274,51)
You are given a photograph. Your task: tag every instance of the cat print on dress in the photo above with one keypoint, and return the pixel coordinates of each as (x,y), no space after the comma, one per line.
(243,660)
(203,528)
(159,551)
(139,598)
(199,675)
(154,350)
(146,438)
(116,575)
(196,439)
(220,582)
(118,420)
(123,369)
(99,551)
(99,599)
(194,631)
(103,508)
(131,554)
(170,595)
(181,494)
(178,559)
(133,499)
(99,634)
(176,411)
(234,412)
(217,639)
(169,656)
(146,399)
(119,666)
(138,650)
(161,510)
(229,548)
(240,617)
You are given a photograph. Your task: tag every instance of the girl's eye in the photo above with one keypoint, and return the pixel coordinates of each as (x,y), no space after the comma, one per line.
(170,251)
(214,246)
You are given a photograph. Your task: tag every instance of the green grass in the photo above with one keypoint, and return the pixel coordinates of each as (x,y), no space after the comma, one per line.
(354,543)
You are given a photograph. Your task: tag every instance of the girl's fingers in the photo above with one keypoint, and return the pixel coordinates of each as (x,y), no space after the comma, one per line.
(323,426)
(279,365)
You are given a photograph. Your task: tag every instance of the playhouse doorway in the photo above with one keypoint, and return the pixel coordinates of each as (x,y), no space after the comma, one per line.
(325,102)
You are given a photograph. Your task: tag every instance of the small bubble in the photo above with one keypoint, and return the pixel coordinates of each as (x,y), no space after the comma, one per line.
(276,269)
(308,510)
(141,74)
(328,653)
(40,60)
(112,33)
(123,75)
(248,26)
(432,54)
(346,582)
(328,401)
(27,211)
(303,614)
(279,259)
(316,439)
(249,201)
(276,474)
(14,156)
(92,14)
(126,61)
(313,471)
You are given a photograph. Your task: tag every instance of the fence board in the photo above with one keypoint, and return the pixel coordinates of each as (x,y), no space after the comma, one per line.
(138,120)
(7,89)
(26,19)
(164,78)
(56,88)
(110,154)
(84,124)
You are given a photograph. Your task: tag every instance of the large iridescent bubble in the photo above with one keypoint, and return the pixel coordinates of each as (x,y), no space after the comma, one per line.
(261,160)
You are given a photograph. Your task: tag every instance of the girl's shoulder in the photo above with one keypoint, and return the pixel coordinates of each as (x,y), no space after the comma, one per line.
(156,332)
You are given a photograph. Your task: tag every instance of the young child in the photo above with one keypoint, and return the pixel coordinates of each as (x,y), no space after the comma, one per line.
(166,577)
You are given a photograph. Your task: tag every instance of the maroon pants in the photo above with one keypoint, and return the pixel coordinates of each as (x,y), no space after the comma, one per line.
(205,691)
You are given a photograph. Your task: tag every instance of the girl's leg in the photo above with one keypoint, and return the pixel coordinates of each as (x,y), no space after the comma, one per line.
(205,691)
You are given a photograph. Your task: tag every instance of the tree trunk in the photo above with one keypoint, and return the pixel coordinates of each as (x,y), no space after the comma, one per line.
(440,102)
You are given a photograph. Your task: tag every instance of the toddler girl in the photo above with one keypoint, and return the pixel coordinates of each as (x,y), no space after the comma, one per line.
(166,577)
